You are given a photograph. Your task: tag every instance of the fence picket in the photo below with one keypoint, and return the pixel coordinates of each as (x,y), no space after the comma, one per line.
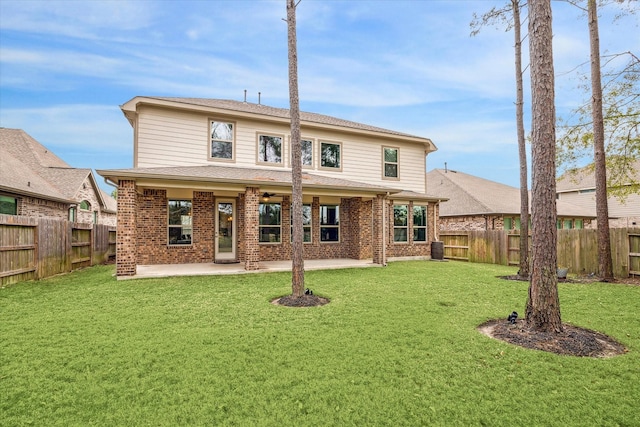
(577,249)
(34,248)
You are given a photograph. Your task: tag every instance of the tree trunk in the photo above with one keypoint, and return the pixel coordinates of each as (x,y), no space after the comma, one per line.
(543,305)
(297,270)
(522,148)
(605,265)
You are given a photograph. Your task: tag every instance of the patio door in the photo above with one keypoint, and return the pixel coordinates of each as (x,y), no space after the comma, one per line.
(225,232)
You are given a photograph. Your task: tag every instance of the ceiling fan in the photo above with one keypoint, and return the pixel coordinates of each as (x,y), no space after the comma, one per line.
(266,196)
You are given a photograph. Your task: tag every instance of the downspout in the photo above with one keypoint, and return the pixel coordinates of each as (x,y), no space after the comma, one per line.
(436,235)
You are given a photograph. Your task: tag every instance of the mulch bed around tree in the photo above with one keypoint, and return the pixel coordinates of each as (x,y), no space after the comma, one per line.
(303,301)
(633,280)
(573,341)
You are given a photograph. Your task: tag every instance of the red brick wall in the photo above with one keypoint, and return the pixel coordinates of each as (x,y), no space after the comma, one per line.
(250,227)
(355,234)
(126,235)
(409,248)
(152,230)
(31,206)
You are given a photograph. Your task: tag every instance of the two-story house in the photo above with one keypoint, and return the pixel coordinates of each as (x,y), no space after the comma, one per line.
(578,186)
(211,182)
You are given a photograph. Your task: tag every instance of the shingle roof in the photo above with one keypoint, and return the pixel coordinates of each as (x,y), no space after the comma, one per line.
(584,178)
(28,167)
(226,174)
(283,113)
(471,195)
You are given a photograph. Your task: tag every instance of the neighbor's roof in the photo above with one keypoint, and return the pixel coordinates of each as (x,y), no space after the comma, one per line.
(29,168)
(471,195)
(584,178)
(261,110)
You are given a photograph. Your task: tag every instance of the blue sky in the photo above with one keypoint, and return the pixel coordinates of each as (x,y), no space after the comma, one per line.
(410,66)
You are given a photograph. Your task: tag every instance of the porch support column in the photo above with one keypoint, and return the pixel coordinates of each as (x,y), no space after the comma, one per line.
(127,233)
(378,232)
(251,231)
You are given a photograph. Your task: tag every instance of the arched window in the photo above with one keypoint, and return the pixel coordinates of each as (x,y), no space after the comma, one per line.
(85,205)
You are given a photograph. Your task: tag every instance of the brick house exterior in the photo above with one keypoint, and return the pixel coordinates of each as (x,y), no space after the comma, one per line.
(186,201)
(35,182)
(479,204)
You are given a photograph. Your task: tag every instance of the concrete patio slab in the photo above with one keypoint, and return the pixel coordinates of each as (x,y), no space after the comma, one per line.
(205,269)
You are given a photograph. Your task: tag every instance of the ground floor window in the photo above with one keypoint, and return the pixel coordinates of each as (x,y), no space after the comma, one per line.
(8,205)
(72,214)
(329,223)
(180,224)
(306,223)
(400,223)
(419,223)
(270,222)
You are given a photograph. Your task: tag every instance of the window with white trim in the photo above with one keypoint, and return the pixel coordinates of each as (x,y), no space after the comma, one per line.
(306,223)
(180,226)
(269,149)
(400,223)
(329,223)
(222,137)
(390,162)
(419,223)
(269,222)
(330,153)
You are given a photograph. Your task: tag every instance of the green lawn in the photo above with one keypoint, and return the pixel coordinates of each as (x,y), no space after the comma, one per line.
(396,346)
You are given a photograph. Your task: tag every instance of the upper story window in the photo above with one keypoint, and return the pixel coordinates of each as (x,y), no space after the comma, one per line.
(390,162)
(330,153)
(8,205)
(400,223)
(270,222)
(306,146)
(85,205)
(222,138)
(329,223)
(269,149)
(419,223)
(180,227)
(306,223)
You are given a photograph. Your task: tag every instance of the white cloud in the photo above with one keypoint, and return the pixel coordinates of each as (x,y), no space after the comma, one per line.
(96,128)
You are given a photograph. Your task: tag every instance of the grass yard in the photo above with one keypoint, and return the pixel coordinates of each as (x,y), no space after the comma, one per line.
(396,346)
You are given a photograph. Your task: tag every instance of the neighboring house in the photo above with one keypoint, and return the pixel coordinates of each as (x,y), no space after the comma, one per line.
(479,204)
(211,182)
(579,187)
(36,182)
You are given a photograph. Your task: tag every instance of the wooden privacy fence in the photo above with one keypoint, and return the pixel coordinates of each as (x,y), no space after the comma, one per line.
(34,248)
(577,249)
